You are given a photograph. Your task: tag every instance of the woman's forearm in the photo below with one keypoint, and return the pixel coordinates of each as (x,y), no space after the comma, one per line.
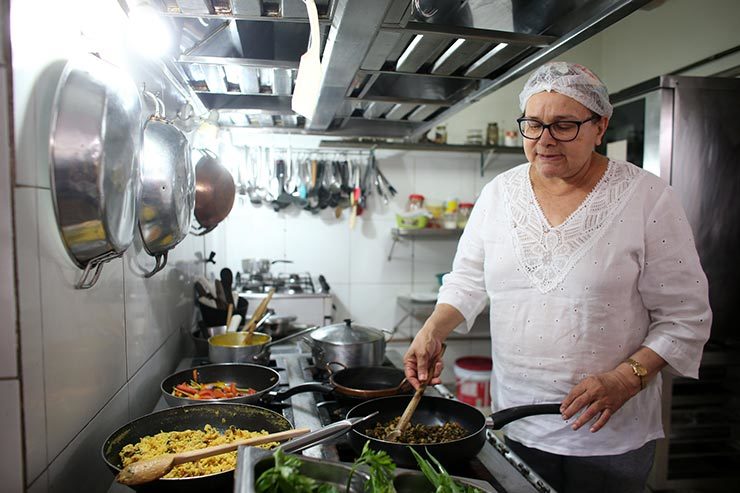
(442,321)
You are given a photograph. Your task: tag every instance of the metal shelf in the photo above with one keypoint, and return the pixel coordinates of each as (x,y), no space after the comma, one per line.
(399,234)
(488,154)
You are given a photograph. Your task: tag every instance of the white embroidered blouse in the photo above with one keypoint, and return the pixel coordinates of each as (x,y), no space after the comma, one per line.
(565,302)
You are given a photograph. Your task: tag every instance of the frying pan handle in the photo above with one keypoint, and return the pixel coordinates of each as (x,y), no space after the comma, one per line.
(502,418)
(299,389)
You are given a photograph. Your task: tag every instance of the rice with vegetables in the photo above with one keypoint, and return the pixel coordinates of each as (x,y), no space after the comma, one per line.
(172,442)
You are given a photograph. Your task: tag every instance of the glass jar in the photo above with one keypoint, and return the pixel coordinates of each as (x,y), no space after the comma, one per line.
(474,137)
(415,202)
(440,134)
(492,134)
(463,213)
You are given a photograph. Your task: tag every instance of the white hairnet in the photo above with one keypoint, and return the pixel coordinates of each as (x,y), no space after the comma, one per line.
(572,80)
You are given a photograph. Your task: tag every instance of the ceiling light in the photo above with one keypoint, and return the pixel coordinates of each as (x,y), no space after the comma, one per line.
(150,33)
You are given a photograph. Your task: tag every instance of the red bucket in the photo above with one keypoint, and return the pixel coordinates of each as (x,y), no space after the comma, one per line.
(473,378)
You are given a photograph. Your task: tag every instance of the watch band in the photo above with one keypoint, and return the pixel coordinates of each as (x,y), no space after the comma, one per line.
(639,371)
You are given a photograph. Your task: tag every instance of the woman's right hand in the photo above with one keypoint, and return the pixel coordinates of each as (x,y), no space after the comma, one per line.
(424,349)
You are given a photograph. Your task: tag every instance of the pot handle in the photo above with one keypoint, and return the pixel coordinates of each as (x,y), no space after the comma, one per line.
(93,269)
(388,334)
(161,261)
(328,366)
(280,396)
(502,418)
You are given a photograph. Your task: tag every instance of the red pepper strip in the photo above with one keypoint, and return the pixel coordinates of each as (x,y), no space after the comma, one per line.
(206,394)
(186,390)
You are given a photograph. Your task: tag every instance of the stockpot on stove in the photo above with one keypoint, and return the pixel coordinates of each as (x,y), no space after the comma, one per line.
(349,344)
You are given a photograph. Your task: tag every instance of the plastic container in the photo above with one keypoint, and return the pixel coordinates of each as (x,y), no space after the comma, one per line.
(415,202)
(463,213)
(473,379)
(412,220)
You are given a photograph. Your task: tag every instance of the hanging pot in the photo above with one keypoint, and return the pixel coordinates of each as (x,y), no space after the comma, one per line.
(348,344)
(168,186)
(96,135)
(214,192)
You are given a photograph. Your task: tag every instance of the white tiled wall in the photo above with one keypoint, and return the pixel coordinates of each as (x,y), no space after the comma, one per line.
(90,360)
(355,261)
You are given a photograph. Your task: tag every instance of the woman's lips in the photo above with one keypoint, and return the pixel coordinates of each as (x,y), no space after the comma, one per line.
(549,157)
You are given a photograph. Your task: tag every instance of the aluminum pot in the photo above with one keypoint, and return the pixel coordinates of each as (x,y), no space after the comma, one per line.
(167,189)
(94,145)
(348,344)
(231,347)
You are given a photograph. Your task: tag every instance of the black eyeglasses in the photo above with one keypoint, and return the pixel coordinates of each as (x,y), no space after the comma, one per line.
(562,131)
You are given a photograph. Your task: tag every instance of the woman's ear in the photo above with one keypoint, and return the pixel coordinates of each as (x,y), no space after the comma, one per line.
(601,126)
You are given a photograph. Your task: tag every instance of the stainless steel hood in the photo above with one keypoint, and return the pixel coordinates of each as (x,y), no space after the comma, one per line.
(390,68)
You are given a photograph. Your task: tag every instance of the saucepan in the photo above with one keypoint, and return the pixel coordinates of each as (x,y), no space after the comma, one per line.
(232,348)
(167,186)
(96,135)
(434,411)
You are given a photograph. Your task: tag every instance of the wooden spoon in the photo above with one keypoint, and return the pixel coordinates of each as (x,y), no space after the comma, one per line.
(148,470)
(403,423)
(256,316)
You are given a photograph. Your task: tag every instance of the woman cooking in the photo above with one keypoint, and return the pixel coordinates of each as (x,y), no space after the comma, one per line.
(594,286)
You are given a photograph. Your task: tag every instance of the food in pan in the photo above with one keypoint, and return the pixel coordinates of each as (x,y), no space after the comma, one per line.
(418,433)
(210,390)
(171,442)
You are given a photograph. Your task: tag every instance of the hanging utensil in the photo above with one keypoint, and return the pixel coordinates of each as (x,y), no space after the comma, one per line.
(167,186)
(214,192)
(95,139)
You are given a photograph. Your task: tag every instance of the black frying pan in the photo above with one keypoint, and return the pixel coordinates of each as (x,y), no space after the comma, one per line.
(220,416)
(261,379)
(436,411)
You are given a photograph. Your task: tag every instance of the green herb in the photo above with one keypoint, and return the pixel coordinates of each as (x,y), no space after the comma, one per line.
(381,470)
(440,478)
(285,477)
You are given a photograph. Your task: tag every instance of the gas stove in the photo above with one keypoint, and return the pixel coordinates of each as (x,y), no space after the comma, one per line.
(495,468)
(282,283)
(496,464)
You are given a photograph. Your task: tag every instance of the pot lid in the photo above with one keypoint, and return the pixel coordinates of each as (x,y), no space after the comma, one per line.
(346,333)
(280,319)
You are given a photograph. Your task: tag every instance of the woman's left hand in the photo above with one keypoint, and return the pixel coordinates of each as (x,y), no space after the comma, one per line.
(599,395)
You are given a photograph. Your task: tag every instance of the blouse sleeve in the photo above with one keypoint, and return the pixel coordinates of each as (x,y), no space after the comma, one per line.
(464,287)
(674,288)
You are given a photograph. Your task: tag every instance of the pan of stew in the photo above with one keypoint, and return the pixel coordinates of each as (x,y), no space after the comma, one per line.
(450,430)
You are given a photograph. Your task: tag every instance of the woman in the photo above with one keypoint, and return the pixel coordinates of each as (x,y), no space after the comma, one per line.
(594,285)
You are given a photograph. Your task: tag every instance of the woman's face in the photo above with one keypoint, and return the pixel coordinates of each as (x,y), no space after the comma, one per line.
(554,159)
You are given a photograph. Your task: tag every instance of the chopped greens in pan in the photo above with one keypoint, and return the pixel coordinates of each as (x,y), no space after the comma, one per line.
(418,434)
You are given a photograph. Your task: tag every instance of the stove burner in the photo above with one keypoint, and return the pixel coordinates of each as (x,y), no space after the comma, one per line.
(283,283)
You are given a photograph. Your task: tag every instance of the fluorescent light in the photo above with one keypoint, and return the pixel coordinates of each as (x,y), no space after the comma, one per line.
(150,33)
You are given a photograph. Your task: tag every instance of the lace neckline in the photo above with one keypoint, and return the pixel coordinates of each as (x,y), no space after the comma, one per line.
(584,202)
(546,254)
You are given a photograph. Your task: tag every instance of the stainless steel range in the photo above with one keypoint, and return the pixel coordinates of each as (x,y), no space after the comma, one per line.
(295,294)
(495,468)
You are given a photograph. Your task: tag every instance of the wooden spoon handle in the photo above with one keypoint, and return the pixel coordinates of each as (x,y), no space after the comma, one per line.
(406,416)
(193,455)
(257,315)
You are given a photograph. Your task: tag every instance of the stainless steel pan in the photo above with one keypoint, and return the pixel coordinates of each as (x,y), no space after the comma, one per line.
(167,186)
(96,134)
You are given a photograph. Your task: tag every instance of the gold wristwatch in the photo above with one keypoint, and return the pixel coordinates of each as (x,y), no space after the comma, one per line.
(639,371)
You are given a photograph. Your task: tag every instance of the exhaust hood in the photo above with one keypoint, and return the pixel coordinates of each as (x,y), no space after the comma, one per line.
(390,68)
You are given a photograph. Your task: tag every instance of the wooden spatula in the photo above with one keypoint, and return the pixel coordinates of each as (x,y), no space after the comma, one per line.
(148,470)
(256,316)
(403,423)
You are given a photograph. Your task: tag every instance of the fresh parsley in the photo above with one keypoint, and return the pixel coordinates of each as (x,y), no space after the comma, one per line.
(285,477)
(381,469)
(439,477)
